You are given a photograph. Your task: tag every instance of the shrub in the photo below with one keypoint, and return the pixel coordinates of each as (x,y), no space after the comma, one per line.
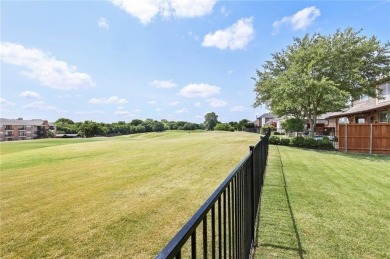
(285,141)
(264,129)
(325,144)
(298,141)
(274,140)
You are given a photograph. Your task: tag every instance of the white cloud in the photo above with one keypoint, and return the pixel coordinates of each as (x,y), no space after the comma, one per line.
(163,84)
(90,112)
(230,72)
(192,8)
(146,10)
(4,102)
(103,23)
(44,67)
(39,105)
(239,108)
(152,102)
(173,103)
(183,110)
(234,37)
(109,100)
(217,102)
(158,110)
(300,20)
(199,90)
(30,94)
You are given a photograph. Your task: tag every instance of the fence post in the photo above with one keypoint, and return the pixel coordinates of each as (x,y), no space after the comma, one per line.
(371,139)
(253,200)
(346,137)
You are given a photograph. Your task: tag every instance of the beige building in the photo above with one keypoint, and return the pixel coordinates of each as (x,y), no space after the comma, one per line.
(25,129)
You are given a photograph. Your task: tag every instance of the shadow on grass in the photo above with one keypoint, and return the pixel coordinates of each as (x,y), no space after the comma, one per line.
(278,231)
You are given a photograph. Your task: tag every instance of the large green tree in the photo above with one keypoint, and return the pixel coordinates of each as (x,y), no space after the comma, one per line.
(319,74)
(210,120)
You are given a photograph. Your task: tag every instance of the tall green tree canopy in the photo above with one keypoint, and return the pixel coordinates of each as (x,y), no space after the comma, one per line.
(319,74)
(210,120)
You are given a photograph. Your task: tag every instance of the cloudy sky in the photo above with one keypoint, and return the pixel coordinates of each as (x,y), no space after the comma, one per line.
(120,60)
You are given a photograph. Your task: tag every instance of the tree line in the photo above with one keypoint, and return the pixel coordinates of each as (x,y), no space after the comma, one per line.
(93,129)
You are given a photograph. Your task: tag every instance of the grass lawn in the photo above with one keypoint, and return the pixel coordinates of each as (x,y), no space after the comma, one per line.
(118,197)
(325,205)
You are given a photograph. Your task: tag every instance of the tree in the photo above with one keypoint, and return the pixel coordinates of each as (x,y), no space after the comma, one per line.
(210,120)
(158,126)
(293,125)
(319,74)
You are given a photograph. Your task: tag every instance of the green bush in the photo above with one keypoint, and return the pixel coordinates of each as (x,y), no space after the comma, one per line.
(264,129)
(325,144)
(311,143)
(298,141)
(274,140)
(285,141)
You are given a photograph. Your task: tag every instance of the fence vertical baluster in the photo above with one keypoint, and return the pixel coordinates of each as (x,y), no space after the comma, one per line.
(229,221)
(205,237)
(219,228)
(224,224)
(193,245)
(213,232)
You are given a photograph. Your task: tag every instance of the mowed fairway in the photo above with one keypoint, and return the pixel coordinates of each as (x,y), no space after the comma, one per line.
(118,197)
(319,204)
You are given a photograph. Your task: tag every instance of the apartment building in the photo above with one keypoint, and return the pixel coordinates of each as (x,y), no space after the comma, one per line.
(20,129)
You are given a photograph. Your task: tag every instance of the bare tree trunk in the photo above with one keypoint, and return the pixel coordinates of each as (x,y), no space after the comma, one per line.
(313,122)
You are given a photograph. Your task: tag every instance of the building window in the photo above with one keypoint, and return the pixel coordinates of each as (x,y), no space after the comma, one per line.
(385,92)
(8,127)
(360,120)
(343,120)
(384,116)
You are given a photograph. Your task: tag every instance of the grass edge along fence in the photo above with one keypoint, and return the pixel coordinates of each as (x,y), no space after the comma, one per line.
(227,221)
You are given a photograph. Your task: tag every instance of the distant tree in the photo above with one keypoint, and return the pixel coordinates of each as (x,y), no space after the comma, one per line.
(234,124)
(64,121)
(136,122)
(224,127)
(210,120)
(158,126)
(319,74)
(245,123)
(189,126)
(293,125)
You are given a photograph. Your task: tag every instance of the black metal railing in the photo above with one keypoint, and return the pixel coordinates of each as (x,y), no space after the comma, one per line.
(225,225)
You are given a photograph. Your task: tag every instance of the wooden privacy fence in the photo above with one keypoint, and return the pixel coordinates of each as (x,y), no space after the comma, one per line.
(371,138)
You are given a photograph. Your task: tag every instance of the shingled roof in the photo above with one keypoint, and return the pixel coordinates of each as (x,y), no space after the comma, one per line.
(367,106)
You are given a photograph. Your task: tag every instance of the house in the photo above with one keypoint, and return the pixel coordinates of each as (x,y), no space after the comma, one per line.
(365,110)
(20,129)
(264,119)
(365,126)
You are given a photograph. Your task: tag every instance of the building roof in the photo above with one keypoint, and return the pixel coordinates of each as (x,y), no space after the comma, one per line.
(360,108)
(21,122)
(267,116)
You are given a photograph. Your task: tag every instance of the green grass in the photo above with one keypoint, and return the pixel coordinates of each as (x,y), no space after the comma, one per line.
(118,197)
(325,205)
(18,146)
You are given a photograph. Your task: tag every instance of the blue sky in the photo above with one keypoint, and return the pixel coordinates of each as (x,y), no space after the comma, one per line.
(121,60)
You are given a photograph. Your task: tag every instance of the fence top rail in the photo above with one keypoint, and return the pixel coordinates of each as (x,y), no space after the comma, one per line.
(185,232)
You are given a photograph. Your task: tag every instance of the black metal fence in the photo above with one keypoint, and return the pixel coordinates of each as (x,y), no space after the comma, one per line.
(225,225)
